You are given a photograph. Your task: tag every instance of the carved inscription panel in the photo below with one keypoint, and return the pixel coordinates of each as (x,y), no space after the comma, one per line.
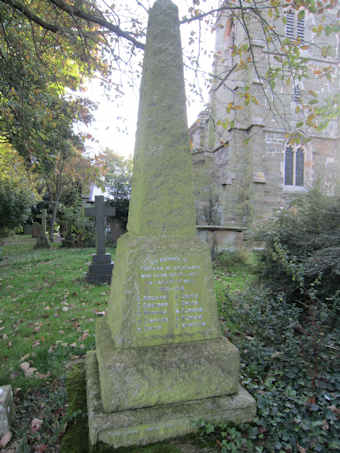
(169,297)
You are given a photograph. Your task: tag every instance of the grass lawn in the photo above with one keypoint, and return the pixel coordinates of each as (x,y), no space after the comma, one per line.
(47,323)
(47,310)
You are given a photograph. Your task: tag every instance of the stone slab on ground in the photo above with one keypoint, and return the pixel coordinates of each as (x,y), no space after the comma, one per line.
(6,409)
(100,273)
(153,424)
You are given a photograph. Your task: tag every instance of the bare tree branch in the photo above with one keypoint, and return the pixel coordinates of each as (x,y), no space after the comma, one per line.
(29,14)
(72,11)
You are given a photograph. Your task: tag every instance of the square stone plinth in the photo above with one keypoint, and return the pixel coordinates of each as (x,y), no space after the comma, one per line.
(161,422)
(6,408)
(163,374)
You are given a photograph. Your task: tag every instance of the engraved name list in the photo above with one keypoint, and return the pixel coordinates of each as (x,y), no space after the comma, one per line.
(168,298)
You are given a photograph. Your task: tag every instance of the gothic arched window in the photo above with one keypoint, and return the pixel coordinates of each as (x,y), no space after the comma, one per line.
(294,166)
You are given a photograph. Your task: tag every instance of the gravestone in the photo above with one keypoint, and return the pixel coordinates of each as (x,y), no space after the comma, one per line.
(42,240)
(36,229)
(100,270)
(28,229)
(161,362)
(6,409)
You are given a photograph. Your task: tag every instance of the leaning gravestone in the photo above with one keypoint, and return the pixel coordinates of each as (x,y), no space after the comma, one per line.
(161,363)
(100,270)
(42,240)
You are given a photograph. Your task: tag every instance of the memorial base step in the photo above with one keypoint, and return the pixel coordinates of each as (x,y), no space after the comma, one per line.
(161,422)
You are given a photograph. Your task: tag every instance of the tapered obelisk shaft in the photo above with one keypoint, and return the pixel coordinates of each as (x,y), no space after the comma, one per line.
(162,195)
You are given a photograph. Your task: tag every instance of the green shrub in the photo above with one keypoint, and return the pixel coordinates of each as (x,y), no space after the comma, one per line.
(15,205)
(78,230)
(230,258)
(302,249)
(290,364)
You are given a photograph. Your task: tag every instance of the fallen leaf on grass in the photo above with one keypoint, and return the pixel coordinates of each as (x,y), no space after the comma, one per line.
(100,313)
(5,439)
(85,335)
(301,449)
(36,424)
(26,368)
(334,409)
(42,376)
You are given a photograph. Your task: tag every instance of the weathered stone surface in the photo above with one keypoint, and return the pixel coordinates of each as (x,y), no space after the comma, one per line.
(148,376)
(6,409)
(162,292)
(163,203)
(151,424)
(163,363)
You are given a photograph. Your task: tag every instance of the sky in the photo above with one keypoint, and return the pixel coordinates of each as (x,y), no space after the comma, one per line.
(114,124)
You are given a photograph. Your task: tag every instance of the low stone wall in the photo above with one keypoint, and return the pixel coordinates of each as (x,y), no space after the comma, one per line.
(222,237)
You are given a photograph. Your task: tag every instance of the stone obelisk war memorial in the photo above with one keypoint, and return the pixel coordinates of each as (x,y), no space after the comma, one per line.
(161,362)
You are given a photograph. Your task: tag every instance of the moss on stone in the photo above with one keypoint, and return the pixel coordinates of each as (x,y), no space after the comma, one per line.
(75,440)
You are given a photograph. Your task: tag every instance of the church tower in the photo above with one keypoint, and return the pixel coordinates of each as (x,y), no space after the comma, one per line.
(258,144)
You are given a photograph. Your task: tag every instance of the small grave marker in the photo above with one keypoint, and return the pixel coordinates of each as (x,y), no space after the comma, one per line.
(100,270)
(6,409)
(42,241)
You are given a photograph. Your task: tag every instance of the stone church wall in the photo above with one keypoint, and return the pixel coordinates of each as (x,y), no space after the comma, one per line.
(239,166)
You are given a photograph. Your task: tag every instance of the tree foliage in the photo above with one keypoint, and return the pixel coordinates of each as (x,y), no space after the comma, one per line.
(36,116)
(110,36)
(117,174)
(16,190)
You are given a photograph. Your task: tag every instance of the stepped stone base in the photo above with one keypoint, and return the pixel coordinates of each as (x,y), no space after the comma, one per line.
(153,424)
(163,374)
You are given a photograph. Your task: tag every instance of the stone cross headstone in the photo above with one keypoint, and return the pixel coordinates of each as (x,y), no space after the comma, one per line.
(100,270)
(43,220)
(42,240)
(161,362)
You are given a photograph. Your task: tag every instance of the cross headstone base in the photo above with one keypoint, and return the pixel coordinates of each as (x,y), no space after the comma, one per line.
(100,270)
(42,242)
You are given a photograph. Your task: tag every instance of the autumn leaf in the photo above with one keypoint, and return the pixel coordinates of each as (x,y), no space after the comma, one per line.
(26,368)
(5,439)
(36,424)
